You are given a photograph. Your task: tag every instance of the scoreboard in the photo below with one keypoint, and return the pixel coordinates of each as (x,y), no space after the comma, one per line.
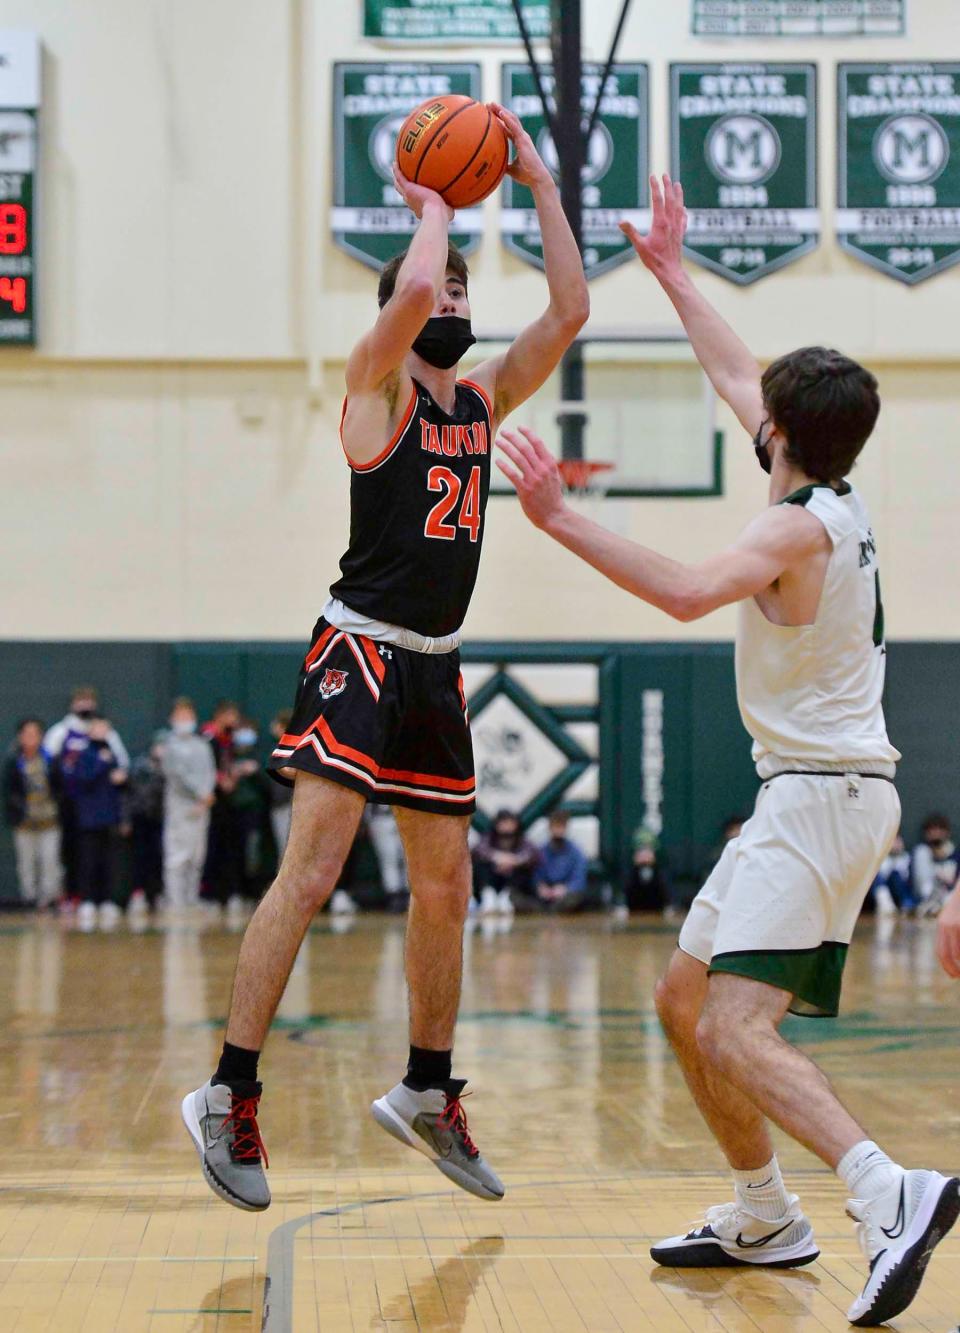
(19,108)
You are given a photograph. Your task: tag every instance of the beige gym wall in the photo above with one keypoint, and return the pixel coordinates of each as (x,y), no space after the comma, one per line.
(169,466)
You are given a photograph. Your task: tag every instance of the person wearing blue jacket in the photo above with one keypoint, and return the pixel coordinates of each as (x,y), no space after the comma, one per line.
(560,878)
(93,781)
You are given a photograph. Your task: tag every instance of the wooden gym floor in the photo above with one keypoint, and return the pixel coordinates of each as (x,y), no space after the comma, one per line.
(106,1224)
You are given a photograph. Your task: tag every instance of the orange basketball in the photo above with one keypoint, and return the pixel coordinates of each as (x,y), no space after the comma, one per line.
(455,146)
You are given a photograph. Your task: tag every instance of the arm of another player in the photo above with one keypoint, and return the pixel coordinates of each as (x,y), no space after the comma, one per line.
(732,369)
(948,935)
(536,351)
(381,352)
(768,546)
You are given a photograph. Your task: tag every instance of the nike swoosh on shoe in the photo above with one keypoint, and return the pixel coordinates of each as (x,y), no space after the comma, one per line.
(764,1240)
(897,1229)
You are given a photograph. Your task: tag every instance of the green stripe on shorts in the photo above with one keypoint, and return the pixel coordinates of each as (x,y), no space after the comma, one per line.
(812,976)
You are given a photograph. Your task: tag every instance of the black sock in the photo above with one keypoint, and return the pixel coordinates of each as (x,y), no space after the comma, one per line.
(427,1069)
(236,1065)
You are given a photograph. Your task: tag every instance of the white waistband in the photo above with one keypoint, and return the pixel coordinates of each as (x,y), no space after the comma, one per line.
(772,764)
(335,613)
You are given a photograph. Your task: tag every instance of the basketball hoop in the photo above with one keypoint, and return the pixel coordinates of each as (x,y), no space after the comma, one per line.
(579,475)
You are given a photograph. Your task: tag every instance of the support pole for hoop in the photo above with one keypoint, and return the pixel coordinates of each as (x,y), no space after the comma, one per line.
(571,135)
(568,74)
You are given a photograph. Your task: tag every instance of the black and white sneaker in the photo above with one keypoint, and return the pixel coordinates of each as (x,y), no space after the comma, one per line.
(730,1236)
(898,1233)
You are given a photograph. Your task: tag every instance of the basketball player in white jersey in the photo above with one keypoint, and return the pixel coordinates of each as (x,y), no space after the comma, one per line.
(769,931)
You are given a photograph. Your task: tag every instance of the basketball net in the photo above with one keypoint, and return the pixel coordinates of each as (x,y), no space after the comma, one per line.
(580,476)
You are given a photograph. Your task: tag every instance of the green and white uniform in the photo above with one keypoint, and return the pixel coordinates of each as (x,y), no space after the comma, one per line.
(783,900)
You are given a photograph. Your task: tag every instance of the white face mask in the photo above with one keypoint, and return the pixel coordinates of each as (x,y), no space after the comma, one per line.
(182,727)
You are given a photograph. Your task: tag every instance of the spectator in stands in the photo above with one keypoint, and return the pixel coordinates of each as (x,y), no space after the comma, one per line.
(190,776)
(223,872)
(388,848)
(251,804)
(935,865)
(891,888)
(63,742)
(145,809)
(731,828)
(647,888)
(71,732)
(30,801)
(560,876)
(280,793)
(93,779)
(504,862)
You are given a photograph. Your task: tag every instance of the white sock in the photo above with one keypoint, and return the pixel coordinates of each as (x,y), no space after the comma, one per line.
(867,1171)
(763,1192)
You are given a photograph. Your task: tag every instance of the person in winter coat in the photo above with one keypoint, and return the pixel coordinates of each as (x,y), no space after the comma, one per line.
(93,780)
(63,742)
(30,799)
(190,773)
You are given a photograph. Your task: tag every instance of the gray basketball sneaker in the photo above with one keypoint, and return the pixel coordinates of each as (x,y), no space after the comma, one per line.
(223,1125)
(435,1124)
(730,1236)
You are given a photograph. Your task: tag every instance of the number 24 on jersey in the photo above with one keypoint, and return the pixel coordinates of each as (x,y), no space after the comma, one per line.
(450,486)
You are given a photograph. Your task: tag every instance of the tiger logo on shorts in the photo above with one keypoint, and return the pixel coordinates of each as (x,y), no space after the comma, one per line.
(333,683)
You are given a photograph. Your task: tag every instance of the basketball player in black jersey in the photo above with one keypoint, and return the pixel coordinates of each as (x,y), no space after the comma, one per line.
(380,712)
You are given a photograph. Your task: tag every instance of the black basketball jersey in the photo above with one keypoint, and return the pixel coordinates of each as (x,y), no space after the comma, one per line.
(417,516)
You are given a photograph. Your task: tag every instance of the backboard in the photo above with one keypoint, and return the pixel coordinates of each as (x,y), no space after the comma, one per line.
(649,411)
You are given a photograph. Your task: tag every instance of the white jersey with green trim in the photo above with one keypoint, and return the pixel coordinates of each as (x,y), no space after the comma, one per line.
(811,696)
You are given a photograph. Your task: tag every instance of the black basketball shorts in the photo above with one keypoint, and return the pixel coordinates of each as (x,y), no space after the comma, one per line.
(388,722)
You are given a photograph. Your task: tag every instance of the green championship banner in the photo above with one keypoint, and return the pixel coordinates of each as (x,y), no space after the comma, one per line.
(615,176)
(370,103)
(743,143)
(898,167)
(436,21)
(799,18)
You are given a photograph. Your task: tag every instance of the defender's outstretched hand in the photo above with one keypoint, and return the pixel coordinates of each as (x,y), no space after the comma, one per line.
(662,249)
(417,197)
(534,473)
(528,167)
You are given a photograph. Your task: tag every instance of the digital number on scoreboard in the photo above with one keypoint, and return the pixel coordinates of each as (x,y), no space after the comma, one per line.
(18,138)
(19,110)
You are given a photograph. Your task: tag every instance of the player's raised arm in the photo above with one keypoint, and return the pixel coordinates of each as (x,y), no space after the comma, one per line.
(536,352)
(780,537)
(731,368)
(381,352)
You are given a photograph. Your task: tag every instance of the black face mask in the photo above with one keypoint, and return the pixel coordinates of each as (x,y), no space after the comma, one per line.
(86,713)
(443,340)
(761,449)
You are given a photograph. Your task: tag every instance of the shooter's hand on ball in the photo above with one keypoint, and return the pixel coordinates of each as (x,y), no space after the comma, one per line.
(535,475)
(948,935)
(661,250)
(418,197)
(528,167)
